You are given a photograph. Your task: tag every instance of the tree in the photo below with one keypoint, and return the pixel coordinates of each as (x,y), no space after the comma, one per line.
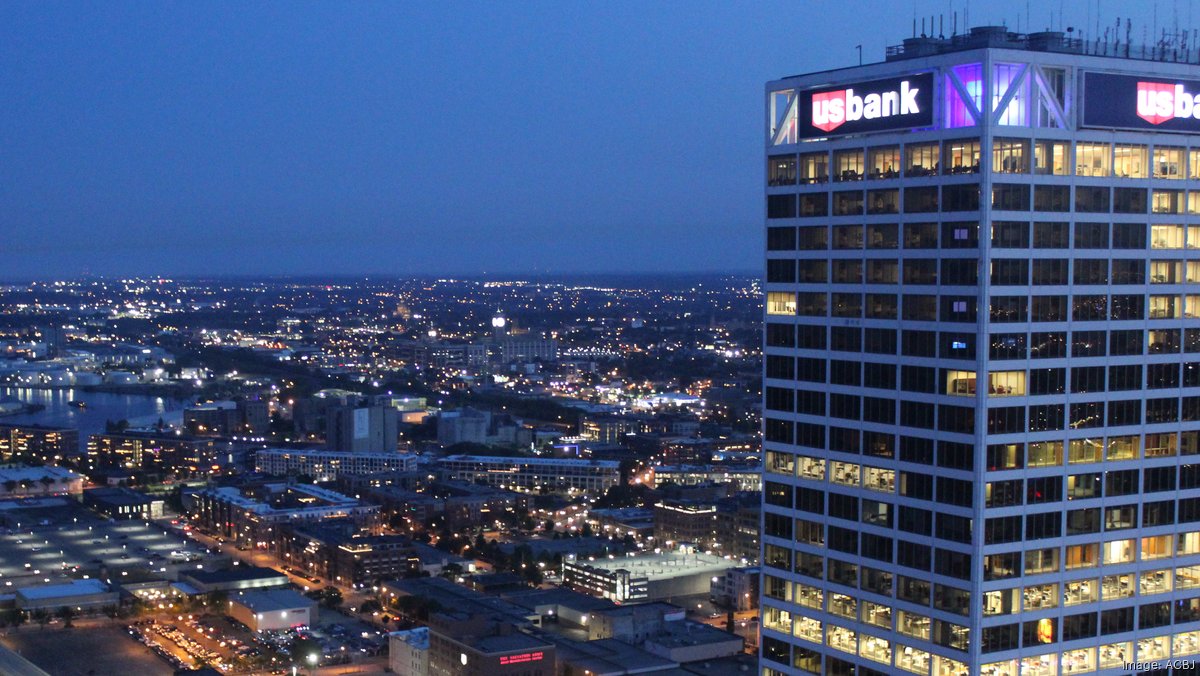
(48,481)
(42,617)
(14,617)
(66,614)
(332,599)
(306,652)
(10,485)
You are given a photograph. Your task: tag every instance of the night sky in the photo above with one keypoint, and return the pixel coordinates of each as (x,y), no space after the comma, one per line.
(187,138)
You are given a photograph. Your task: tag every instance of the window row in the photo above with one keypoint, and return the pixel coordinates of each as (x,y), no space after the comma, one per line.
(966,197)
(965,235)
(964,309)
(962,345)
(963,156)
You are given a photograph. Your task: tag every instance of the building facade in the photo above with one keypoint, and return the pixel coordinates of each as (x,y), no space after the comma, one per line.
(322,465)
(38,443)
(981,414)
(561,475)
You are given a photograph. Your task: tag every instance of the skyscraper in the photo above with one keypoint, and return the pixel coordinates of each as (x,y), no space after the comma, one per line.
(982,394)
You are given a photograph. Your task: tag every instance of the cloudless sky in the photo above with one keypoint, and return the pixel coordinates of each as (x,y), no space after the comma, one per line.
(194,138)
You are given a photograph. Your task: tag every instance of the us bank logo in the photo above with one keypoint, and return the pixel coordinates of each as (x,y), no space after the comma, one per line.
(1158,102)
(831,110)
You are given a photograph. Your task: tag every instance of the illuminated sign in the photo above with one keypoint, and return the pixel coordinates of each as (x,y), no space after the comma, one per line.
(523,657)
(877,105)
(1135,102)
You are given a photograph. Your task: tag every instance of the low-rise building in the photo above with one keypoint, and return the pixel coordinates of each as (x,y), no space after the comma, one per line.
(252,515)
(38,443)
(20,481)
(644,577)
(166,453)
(343,555)
(237,578)
(741,477)
(123,503)
(478,645)
(408,652)
(558,475)
(736,589)
(90,593)
(271,610)
(325,465)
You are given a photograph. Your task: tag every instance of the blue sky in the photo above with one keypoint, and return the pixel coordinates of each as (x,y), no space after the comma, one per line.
(180,138)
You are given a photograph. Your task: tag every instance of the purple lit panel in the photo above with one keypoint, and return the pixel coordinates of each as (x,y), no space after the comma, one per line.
(958,113)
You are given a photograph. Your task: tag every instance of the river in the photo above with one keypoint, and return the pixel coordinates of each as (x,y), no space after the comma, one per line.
(138,409)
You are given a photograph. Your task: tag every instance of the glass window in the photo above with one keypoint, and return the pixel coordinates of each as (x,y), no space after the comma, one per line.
(960,382)
(1166,202)
(1010,156)
(1164,307)
(1091,159)
(1006,383)
(1165,272)
(1078,592)
(1117,551)
(1166,236)
(814,167)
(848,165)
(781,170)
(1129,161)
(1116,655)
(962,156)
(1051,158)
(883,162)
(921,159)
(1168,162)
(781,303)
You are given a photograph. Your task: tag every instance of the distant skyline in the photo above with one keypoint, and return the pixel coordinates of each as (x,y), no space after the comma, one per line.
(306,138)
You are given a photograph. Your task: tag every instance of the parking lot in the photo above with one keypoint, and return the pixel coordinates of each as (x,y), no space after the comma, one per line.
(41,545)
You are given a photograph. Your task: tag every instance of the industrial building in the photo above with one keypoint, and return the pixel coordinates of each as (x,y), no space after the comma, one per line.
(270,610)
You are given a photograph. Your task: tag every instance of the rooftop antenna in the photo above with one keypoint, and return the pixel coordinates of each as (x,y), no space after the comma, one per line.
(1128,30)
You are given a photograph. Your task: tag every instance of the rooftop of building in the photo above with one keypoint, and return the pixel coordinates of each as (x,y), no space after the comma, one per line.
(1000,37)
(238,573)
(661,565)
(76,588)
(418,638)
(13,473)
(117,496)
(503,643)
(278,497)
(267,601)
(536,462)
(332,455)
(566,598)
(686,634)
(609,656)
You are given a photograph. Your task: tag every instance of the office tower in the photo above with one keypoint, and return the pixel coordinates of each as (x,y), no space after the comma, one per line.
(982,414)
(361,429)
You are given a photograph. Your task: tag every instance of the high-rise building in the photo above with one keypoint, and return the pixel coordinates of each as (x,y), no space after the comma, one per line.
(361,429)
(982,361)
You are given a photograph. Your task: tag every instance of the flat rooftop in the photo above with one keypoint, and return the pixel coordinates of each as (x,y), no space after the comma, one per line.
(661,566)
(268,601)
(238,573)
(77,588)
